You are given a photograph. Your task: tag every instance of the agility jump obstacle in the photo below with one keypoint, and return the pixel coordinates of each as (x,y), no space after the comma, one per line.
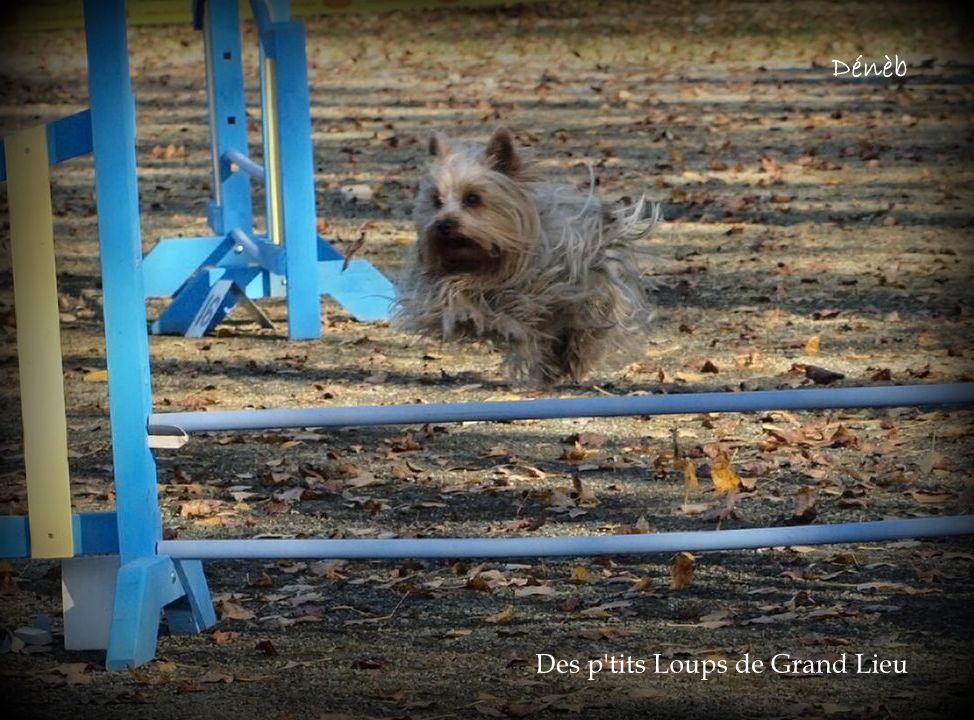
(118,574)
(208,276)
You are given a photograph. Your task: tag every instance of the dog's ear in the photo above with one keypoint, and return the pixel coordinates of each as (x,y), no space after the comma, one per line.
(439,146)
(502,156)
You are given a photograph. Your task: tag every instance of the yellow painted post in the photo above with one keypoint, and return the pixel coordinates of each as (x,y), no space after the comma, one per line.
(39,344)
(272,151)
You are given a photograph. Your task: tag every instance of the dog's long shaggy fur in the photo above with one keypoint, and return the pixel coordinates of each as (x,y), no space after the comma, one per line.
(546,272)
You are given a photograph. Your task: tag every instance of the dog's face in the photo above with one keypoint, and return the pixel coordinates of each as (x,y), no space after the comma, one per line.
(474,214)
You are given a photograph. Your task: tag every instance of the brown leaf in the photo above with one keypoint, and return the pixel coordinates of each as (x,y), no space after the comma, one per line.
(534,591)
(719,619)
(575,453)
(558,500)
(505,615)
(925,497)
(354,248)
(607,632)
(457,633)
(406,443)
(770,619)
(605,609)
(689,471)
(641,526)
(75,673)
(233,611)
(642,585)
(843,437)
(933,461)
(267,648)
(812,345)
(588,439)
(825,314)
(805,511)
(581,575)
(496,451)
(887,587)
(199,508)
(724,477)
(881,374)
(821,376)
(223,637)
(681,570)
(584,497)
(215,676)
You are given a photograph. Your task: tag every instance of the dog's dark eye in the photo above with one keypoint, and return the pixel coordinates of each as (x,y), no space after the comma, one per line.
(437,200)
(471,199)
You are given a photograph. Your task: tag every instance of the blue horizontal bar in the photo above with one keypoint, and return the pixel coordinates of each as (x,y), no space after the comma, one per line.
(95,533)
(243,162)
(14,536)
(67,138)
(267,254)
(571,546)
(685,403)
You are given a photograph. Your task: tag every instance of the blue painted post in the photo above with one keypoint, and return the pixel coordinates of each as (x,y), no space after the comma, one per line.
(231,206)
(147,582)
(297,180)
(120,237)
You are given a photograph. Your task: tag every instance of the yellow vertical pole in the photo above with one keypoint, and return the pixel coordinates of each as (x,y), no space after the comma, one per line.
(272,151)
(39,344)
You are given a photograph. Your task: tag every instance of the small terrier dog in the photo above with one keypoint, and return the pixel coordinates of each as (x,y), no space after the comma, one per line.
(547,273)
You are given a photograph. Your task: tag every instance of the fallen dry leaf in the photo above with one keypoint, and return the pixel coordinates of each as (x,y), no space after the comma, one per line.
(75,673)
(605,609)
(575,453)
(534,591)
(925,497)
(689,470)
(200,508)
(724,477)
(581,575)
(822,376)
(233,611)
(584,497)
(505,615)
(641,526)
(215,676)
(805,511)
(608,632)
(681,570)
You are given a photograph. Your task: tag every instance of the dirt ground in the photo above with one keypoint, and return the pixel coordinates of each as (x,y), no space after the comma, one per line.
(811,220)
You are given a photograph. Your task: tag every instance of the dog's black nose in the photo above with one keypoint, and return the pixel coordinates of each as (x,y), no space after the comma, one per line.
(446,226)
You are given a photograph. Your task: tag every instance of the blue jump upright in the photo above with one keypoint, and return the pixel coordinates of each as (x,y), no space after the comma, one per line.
(147,582)
(207,277)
